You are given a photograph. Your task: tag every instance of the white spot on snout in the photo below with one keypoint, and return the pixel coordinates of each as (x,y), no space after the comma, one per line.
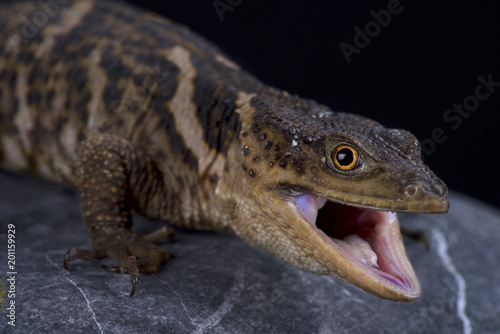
(325,113)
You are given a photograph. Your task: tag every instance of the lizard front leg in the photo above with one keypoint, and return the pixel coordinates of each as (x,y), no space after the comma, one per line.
(114,176)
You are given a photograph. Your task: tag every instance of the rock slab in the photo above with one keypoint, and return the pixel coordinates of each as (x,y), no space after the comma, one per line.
(216,283)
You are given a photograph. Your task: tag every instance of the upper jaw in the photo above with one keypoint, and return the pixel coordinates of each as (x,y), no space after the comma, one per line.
(422,202)
(430,204)
(362,246)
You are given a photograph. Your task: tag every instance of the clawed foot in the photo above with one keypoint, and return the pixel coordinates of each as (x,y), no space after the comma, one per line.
(135,253)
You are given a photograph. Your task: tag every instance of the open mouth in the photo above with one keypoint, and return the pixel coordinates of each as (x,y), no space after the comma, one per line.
(368,239)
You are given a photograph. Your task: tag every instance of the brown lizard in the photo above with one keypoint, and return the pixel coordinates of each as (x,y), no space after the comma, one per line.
(140,114)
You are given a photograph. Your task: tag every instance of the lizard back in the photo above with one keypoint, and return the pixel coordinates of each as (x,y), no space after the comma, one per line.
(100,66)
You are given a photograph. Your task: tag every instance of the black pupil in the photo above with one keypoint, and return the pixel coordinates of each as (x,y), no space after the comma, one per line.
(345,157)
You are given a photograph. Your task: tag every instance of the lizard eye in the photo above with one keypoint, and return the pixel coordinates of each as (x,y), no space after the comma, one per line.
(345,157)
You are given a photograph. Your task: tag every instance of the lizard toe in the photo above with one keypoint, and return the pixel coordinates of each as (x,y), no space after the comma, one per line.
(136,254)
(163,233)
(141,256)
(75,253)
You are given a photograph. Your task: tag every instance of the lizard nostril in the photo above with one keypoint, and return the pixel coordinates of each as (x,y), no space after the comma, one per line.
(411,190)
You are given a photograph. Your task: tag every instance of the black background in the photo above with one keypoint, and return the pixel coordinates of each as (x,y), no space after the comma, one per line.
(427,58)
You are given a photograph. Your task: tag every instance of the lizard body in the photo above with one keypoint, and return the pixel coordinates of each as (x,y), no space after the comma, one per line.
(138,113)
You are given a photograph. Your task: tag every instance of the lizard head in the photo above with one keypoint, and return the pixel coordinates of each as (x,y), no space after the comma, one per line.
(322,189)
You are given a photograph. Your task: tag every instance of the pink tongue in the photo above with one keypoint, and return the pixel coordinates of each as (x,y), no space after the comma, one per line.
(308,204)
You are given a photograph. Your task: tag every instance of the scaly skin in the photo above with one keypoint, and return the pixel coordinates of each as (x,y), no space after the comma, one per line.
(141,114)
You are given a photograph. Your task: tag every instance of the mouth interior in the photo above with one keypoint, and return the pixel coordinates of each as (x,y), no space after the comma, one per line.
(370,239)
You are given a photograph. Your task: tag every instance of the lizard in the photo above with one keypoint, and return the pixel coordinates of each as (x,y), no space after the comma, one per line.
(140,114)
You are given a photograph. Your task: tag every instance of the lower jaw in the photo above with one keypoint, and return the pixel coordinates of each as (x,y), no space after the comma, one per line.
(391,276)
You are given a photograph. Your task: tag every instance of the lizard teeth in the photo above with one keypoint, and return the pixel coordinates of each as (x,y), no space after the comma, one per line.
(359,248)
(321,202)
(309,204)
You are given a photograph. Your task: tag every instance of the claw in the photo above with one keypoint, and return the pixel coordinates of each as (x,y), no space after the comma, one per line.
(134,280)
(131,268)
(133,272)
(132,290)
(68,257)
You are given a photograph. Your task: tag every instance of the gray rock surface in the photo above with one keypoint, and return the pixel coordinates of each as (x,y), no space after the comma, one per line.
(216,283)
